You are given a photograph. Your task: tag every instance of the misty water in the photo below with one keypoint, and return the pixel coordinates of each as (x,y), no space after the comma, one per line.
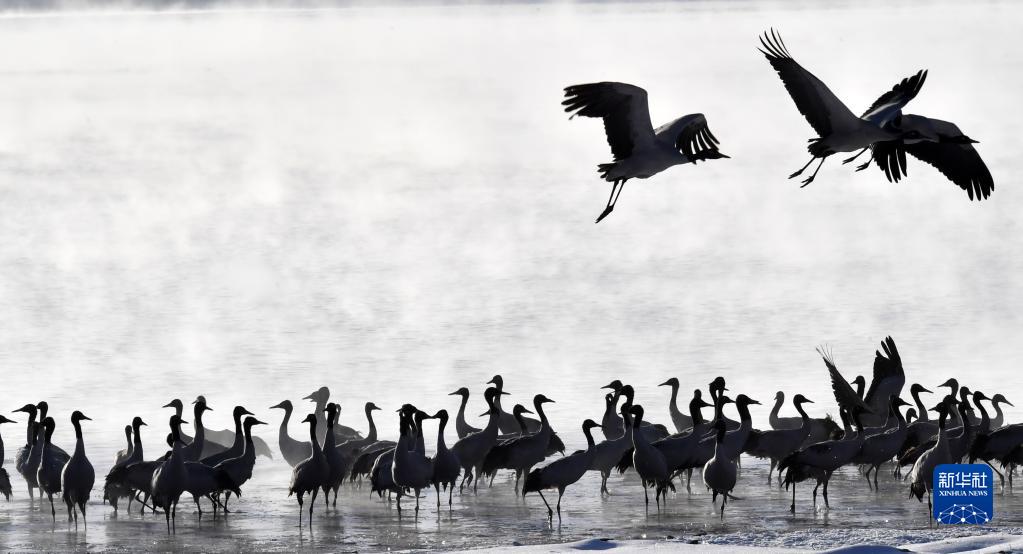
(391,202)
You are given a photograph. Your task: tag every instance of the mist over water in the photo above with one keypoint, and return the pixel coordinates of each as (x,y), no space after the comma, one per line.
(391,202)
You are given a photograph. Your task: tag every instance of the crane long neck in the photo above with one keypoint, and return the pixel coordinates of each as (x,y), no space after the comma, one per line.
(921,410)
(589,438)
(802,413)
(30,429)
(250,448)
(312,438)
(461,407)
(999,416)
(745,419)
(282,433)
(200,429)
(778,401)
(696,413)
(441,445)
(985,419)
(79,441)
(539,411)
(136,448)
(372,435)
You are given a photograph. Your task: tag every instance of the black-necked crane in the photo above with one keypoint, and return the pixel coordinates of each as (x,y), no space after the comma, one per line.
(238,447)
(882,447)
(686,451)
(51,462)
(446,466)
(347,448)
(720,472)
(826,457)
(922,474)
(410,469)
(117,488)
(733,442)
(639,150)
(293,450)
(170,478)
(837,128)
(562,473)
(25,463)
(938,143)
(462,428)
(607,453)
(520,454)
(124,453)
(240,469)
(681,421)
(335,459)
(321,396)
(472,450)
(614,421)
(508,423)
(915,390)
(193,452)
(821,428)
(777,443)
(77,476)
(5,479)
(999,418)
(310,474)
(648,461)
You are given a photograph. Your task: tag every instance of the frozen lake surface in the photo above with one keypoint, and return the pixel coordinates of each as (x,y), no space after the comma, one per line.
(388,201)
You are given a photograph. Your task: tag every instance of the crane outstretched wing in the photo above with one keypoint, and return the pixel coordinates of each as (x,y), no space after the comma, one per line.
(844,393)
(960,163)
(821,108)
(952,154)
(889,104)
(889,377)
(690,135)
(624,110)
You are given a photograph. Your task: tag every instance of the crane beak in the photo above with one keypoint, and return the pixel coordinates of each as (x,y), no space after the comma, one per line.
(1004,401)
(664,384)
(85,417)
(257,422)
(168,405)
(486,413)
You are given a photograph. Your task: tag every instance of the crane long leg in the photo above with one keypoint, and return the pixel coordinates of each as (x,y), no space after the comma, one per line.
(802,169)
(550,512)
(792,508)
(810,179)
(612,200)
(858,154)
(561,492)
(311,504)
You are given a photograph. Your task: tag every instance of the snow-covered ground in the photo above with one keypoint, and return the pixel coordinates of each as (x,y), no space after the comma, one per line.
(955,540)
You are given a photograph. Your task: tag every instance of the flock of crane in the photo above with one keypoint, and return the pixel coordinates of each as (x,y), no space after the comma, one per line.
(874,431)
(640,151)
